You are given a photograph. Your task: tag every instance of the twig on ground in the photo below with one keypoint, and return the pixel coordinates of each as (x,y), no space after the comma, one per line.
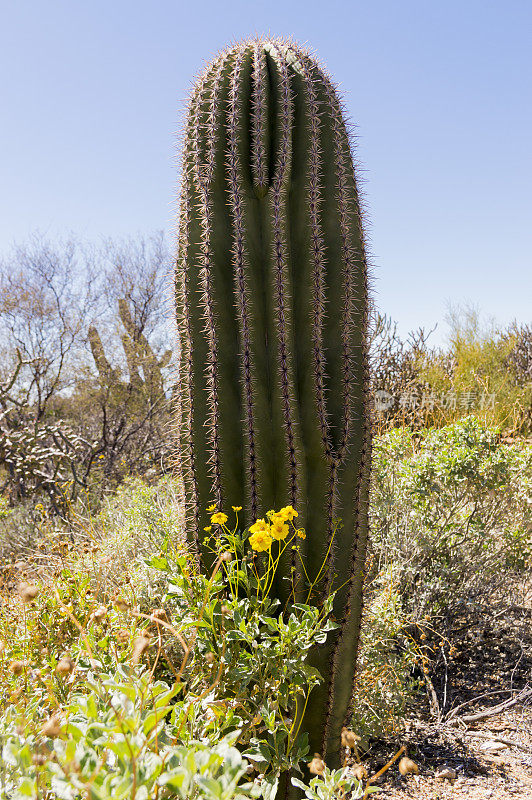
(383,769)
(499,709)
(433,698)
(454,711)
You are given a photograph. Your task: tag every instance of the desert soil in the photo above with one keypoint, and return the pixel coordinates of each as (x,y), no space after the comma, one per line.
(490,757)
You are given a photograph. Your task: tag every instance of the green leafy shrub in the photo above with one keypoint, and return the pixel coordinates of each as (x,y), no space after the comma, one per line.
(333,783)
(95,704)
(451,510)
(384,682)
(115,739)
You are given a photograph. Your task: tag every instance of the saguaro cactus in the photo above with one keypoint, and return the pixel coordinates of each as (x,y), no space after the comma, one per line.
(272,309)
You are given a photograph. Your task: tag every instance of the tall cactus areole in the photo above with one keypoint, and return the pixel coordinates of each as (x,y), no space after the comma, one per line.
(272,310)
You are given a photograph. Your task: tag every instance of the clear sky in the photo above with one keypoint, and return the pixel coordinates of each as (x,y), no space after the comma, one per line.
(440,92)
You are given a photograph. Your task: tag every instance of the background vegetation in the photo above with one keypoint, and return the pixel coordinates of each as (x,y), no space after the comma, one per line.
(90,517)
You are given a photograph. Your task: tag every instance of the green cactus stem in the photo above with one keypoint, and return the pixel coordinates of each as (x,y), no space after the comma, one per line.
(272,307)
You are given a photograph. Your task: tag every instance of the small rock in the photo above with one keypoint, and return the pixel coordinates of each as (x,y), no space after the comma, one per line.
(492,746)
(446,774)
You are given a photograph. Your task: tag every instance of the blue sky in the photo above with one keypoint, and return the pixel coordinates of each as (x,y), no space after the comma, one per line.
(92,93)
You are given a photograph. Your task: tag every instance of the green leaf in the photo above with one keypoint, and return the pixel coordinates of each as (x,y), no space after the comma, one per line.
(158,562)
(27,788)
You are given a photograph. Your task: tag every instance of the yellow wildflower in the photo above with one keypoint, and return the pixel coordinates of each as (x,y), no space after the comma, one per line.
(219,518)
(301,533)
(279,529)
(270,514)
(236,508)
(260,526)
(288,513)
(212,507)
(260,540)
(208,528)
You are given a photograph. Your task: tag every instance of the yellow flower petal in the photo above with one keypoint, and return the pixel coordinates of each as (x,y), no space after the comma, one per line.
(260,541)
(259,526)
(279,530)
(288,513)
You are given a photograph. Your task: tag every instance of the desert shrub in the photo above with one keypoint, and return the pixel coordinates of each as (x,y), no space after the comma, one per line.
(134,521)
(128,523)
(451,512)
(117,744)
(85,367)
(19,530)
(481,381)
(94,701)
(388,656)
(482,370)
(519,360)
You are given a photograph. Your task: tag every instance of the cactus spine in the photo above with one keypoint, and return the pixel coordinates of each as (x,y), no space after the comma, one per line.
(272,306)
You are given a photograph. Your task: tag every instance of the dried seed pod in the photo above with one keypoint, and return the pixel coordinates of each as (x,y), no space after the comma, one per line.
(407,766)
(64,666)
(17,667)
(100,613)
(160,613)
(121,604)
(317,765)
(359,771)
(51,727)
(349,739)
(140,645)
(28,591)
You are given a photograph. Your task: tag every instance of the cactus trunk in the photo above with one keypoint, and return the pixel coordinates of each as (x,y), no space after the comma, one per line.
(272,307)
